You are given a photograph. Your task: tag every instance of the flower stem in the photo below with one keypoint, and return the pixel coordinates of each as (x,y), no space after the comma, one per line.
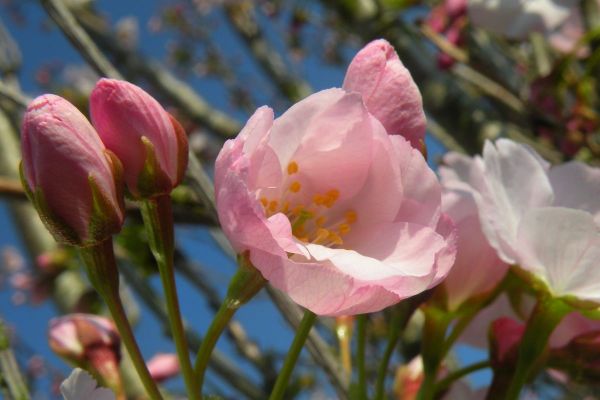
(158,220)
(104,276)
(456,375)
(292,356)
(361,345)
(432,349)
(246,282)
(545,317)
(396,326)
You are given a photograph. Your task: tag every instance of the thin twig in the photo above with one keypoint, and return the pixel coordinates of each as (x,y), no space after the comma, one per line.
(241,16)
(16,97)
(65,20)
(174,90)
(11,188)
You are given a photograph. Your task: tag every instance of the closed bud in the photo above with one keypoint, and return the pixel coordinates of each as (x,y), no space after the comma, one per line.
(150,143)
(73,181)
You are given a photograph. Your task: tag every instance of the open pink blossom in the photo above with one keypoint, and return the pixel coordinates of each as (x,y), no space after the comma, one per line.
(150,143)
(332,210)
(477,269)
(388,91)
(68,174)
(543,219)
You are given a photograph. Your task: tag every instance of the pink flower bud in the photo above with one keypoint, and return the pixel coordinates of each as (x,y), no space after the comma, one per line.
(67,173)
(90,341)
(163,366)
(73,336)
(505,337)
(150,143)
(388,91)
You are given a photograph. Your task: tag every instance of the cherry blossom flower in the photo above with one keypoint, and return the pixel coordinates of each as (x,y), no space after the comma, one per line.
(332,209)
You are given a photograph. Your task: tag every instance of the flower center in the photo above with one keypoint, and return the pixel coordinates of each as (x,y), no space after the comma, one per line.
(312,222)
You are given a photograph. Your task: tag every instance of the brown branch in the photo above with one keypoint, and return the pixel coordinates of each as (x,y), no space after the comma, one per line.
(65,20)
(242,18)
(173,89)
(12,188)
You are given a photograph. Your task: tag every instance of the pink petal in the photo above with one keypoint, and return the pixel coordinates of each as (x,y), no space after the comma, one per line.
(388,90)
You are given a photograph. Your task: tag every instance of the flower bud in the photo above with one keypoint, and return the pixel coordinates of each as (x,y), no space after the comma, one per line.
(388,91)
(73,181)
(88,341)
(74,335)
(150,143)
(163,366)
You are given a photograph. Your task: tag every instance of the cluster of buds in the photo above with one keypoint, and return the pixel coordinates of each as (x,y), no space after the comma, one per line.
(74,173)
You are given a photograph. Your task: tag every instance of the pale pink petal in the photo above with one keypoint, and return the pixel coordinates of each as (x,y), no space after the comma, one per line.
(422,190)
(562,247)
(515,182)
(242,218)
(577,185)
(446,256)
(388,90)
(329,136)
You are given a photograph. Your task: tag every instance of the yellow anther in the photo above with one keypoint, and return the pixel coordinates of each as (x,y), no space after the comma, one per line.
(292,168)
(273,205)
(285,208)
(264,201)
(320,221)
(333,194)
(331,197)
(319,199)
(351,216)
(344,229)
(295,187)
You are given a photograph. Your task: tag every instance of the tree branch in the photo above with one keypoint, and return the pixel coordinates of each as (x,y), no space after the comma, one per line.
(242,19)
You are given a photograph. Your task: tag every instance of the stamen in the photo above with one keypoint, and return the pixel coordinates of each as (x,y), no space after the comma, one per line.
(335,239)
(322,234)
(351,216)
(292,168)
(273,206)
(319,199)
(295,187)
(320,221)
(344,229)
(264,201)
(331,197)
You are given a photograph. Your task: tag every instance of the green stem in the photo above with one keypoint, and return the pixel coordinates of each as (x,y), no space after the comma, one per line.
(104,276)
(292,356)
(456,375)
(158,220)
(246,282)
(361,328)
(545,317)
(432,349)
(10,375)
(396,326)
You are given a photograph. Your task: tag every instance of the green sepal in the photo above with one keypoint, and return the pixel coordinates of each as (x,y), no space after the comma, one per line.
(60,230)
(182,149)
(105,220)
(152,180)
